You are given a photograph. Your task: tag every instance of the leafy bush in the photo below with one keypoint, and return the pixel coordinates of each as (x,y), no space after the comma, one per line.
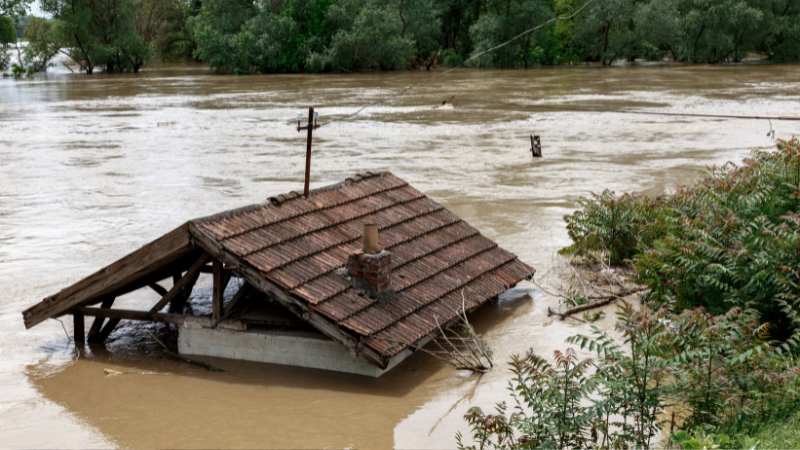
(717,373)
(611,402)
(732,240)
(8,31)
(42,44)
(728,373)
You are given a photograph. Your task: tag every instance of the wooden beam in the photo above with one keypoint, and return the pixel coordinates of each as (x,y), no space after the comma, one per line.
(130,314)
(218,295)
(185,283)
(97,323)
(297,306)
(107,329)
(140,264)
(158,288)
(235,302)
(78,329)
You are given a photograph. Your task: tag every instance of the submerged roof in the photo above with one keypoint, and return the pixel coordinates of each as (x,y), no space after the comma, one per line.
(291,247)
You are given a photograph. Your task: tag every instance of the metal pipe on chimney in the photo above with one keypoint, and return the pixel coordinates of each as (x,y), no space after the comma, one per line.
(371,244)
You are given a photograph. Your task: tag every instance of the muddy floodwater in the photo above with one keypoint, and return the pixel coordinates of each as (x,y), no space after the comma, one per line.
(93,167)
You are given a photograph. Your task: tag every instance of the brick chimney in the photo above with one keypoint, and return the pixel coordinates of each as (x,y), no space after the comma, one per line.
(371,269)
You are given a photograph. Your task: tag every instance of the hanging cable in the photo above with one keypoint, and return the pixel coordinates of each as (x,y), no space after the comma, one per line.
(403,91)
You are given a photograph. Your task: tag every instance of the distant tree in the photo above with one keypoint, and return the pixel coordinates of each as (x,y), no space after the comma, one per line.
(99,34)
(375,41)
(42,44)
(215,30)
(780,37)
(420,21)
(8,32)
(657,29)
(605,31)
(719,30)
(14,8)
(505,19)
(8,36)
(162,24)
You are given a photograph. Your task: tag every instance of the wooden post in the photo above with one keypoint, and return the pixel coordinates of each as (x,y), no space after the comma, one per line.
(218,292)
(536,146)
(107,329)
(78,329)
(310,128)
(97,324)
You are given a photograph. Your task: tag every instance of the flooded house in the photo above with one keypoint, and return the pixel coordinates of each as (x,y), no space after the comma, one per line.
(354,277)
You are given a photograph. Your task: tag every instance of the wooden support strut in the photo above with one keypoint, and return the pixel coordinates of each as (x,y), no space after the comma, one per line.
(186,283)
(78,329)
(129,314)
(235,303)
(158,288)
(97,323)
(221,279)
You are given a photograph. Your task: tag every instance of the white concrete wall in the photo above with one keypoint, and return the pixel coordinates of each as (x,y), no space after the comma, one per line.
(276,347)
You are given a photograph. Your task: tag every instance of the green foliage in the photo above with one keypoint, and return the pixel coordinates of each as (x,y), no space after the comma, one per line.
(8,36)
(42,44)
(720,376)
(251,36)
(730,241)
(611,402)
(374,41)
(8,32)
(162,26)
(99,34)
(730,374)
(14,8)
(503,20)
(618,228)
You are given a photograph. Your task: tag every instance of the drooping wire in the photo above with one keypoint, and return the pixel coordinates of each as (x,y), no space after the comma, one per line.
(407,88)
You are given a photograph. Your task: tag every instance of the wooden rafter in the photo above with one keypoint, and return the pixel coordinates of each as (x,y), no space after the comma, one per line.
(129,314)
(123,273)
(158,289)
(97,323)
(184,285)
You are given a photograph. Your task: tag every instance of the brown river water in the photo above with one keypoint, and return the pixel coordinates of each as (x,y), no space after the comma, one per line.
(93,167)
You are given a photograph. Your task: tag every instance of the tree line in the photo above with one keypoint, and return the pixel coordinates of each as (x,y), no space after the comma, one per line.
(267,36)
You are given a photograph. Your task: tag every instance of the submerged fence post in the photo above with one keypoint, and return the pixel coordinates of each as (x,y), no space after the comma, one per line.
(536,146)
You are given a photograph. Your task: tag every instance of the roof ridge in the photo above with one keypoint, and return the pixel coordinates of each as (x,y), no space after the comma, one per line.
(280,199)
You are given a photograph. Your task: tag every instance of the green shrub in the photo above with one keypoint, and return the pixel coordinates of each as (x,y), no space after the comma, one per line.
(730,241)
(721,370)
(8,31)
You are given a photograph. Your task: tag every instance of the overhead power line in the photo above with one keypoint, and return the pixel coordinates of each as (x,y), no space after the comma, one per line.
(563,17)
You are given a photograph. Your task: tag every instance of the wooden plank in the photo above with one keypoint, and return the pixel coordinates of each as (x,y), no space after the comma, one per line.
(107,329)
(97,323)
(78,329)
(130,314)
(295,305)
(158,288)
(184,284)
(235,303)
(141,263)
(218,294)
